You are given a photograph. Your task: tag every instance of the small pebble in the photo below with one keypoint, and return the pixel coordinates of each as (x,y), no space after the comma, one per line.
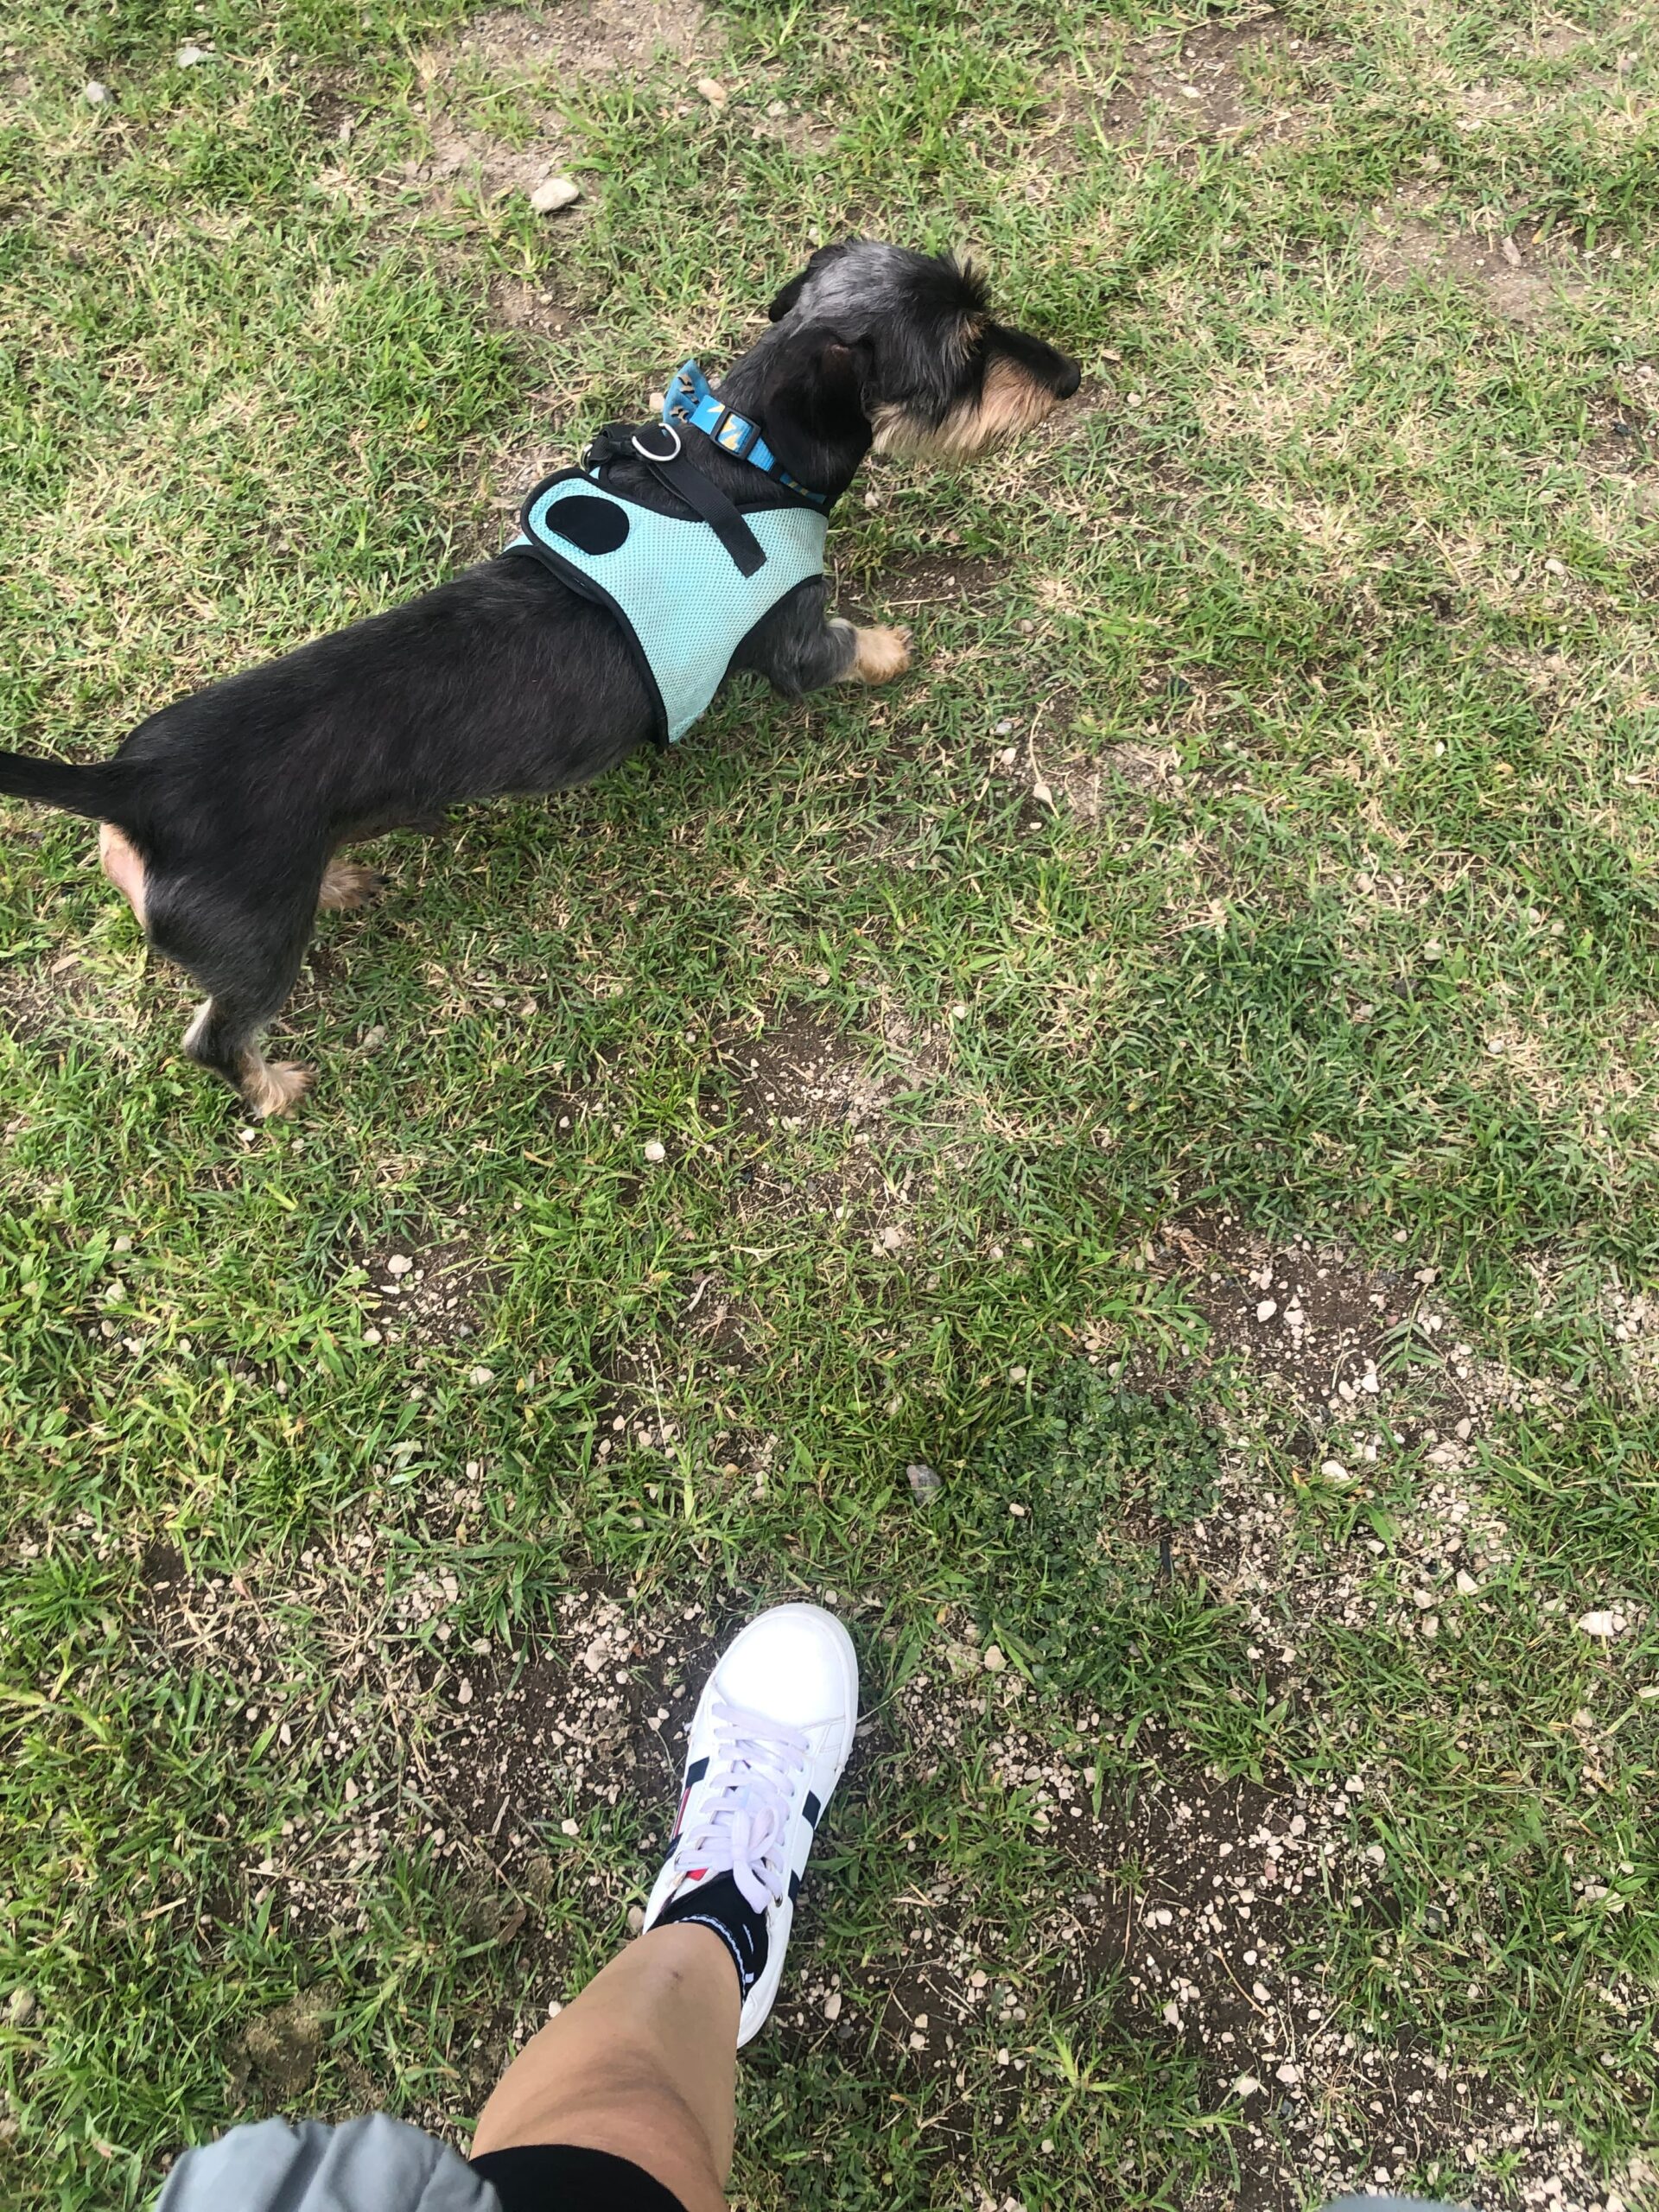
(655,1153)
(1266,1309)
(832,2005)
(1555,567)
(1288,2074)
(95,94)
(399,1264)
(188,56)
(480,1378)
(994,1661)
(711,89)
(1602,1625)
(923,1482)
(554,193)
(568,1827)
(21,2008)
(1002,729)
(636,1918)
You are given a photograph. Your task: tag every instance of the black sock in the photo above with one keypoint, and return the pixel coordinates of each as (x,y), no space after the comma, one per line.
(720,1904)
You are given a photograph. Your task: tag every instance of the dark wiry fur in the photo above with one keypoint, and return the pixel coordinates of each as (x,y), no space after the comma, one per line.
(229,802)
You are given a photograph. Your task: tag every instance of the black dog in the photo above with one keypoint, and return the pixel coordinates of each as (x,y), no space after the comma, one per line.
(222,812)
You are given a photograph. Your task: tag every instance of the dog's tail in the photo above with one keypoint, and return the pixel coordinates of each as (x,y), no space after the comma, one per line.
(98,788)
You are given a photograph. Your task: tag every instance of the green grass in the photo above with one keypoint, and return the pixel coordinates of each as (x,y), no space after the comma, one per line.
(1326,617)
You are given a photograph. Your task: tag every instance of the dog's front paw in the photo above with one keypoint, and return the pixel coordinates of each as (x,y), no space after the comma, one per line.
(881,654)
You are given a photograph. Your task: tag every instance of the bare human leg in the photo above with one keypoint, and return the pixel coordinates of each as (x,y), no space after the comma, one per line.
(642,2064)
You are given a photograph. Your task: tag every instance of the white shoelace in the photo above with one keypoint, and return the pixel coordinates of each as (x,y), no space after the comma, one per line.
(745,1799)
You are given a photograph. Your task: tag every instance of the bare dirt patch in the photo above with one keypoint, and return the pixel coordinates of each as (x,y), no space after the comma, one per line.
(434,1297)
(534,307)
(795,1073)
(281,2052)
(805,134)
(486,167)
(585,38)
(1216,81)
(919,581)
(803,1116)
(1297,1310)
(1520,277)
(1623,442)
(429,1739)
(1359,1375)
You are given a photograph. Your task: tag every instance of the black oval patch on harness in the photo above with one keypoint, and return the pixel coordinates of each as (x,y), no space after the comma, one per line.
(596,525)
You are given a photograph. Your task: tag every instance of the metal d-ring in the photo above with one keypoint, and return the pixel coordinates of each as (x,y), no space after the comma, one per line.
(679,444)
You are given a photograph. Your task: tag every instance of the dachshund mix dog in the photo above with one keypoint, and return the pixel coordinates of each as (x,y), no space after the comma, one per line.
(223,813)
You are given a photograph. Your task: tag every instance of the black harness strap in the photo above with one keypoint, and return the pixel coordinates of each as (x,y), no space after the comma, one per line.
(677,472)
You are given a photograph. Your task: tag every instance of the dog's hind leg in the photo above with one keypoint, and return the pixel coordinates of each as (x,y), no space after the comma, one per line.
(223,1037)
(247,958)
(346,886)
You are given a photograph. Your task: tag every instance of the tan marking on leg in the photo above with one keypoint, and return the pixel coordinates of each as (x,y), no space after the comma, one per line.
(121,863)
(882,654)
(272,1086)
(346,887)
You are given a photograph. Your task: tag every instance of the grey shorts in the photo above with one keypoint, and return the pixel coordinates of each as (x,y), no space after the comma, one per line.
(375,2165)
(380,2164)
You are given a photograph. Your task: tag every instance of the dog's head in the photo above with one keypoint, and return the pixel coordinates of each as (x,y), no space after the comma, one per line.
(903,345)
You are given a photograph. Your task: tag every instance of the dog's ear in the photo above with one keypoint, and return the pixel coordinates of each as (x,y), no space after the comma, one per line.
(790,297)
(816,406)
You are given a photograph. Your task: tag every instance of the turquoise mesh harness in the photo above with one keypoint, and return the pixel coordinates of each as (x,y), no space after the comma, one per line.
(673,584)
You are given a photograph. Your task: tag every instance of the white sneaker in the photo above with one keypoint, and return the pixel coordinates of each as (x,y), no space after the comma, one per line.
(768,1741)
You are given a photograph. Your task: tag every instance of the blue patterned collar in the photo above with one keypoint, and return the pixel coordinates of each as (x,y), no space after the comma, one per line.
(690,400)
